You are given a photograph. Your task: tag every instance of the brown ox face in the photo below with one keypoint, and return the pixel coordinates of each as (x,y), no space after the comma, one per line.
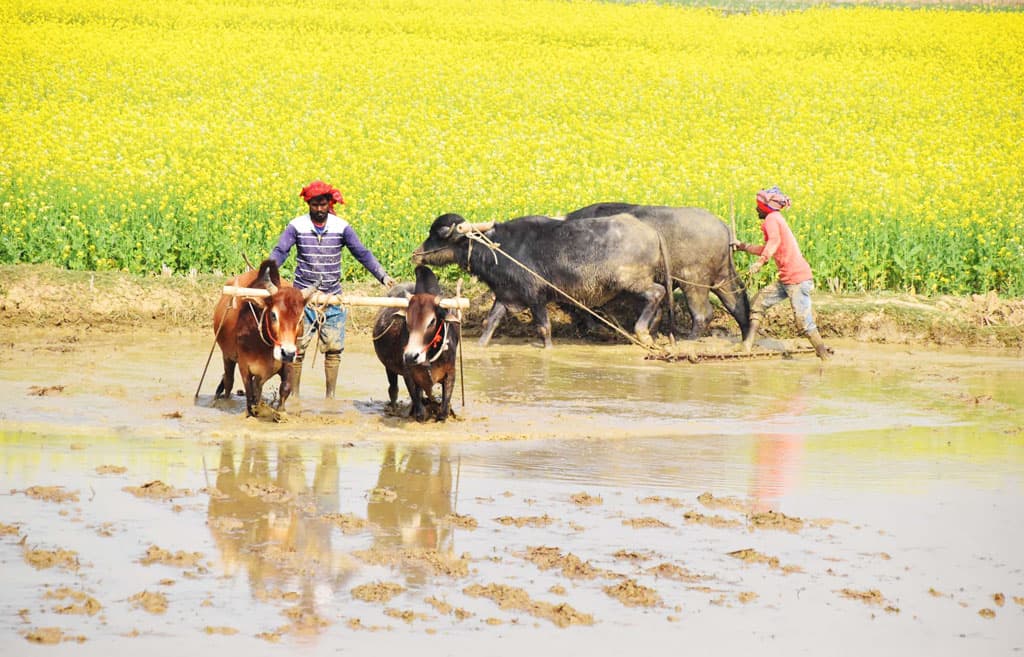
(424,319)
(283,317)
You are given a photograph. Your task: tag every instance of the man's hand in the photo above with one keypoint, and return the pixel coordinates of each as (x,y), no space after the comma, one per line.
(737,246)
(389,282)
(755,267)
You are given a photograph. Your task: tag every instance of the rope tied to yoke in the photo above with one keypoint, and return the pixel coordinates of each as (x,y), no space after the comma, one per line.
(495,248)
(270,340)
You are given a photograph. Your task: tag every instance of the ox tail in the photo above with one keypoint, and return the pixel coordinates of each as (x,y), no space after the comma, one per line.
(669,297)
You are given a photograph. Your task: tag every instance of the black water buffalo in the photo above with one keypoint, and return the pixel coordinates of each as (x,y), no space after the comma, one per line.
(419,344)
(698,244)
(592,261)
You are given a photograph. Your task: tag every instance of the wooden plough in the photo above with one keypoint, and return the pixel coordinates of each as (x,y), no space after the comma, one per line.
(699,357)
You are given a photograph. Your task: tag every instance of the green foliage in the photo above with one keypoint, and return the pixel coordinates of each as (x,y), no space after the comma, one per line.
(137,135)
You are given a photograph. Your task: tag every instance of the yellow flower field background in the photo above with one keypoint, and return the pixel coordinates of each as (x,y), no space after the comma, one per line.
(138,135)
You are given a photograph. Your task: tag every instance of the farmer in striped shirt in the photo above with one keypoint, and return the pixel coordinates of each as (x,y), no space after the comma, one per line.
(318,238)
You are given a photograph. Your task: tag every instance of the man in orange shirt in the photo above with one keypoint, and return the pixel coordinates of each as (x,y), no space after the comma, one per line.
(795,279)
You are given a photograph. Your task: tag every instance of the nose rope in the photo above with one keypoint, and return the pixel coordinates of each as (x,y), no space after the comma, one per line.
(441,338)
(438,336)
(270,340)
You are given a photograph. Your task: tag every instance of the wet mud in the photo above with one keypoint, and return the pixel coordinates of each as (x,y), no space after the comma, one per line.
(584,499)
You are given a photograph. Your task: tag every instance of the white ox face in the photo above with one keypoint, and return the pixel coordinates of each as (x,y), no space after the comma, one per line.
(426,328)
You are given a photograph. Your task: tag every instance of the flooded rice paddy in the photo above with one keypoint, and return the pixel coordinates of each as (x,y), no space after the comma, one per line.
(583,500)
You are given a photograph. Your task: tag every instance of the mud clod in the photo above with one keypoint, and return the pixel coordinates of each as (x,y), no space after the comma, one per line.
(632,594)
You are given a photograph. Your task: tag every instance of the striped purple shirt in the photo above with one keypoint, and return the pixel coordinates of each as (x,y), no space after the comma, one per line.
(318,253)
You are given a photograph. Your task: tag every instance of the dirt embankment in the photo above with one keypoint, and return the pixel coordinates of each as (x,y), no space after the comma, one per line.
(40,295)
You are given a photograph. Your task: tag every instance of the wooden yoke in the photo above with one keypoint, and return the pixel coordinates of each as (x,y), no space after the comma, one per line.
(319,298)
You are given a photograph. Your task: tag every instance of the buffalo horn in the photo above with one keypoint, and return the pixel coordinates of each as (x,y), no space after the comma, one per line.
(466,227)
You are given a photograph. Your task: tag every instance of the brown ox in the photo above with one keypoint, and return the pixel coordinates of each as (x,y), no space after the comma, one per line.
(419,344)
(259,333)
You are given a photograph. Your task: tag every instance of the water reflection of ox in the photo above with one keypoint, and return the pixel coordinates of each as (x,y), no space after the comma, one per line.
(411,501)
(268,520)
(268,523)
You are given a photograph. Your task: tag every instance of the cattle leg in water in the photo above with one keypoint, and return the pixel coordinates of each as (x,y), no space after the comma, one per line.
(652,298)
(390,335)
(227,381)
(542,323)
(494,317)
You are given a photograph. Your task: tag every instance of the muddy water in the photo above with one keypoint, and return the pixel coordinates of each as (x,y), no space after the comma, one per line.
(584,500)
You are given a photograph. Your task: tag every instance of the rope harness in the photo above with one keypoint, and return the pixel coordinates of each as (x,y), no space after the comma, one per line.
(388,327)
(440,342)
(270,339)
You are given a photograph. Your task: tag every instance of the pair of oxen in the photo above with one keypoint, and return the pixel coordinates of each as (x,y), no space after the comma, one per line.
(260,333)
(585,259)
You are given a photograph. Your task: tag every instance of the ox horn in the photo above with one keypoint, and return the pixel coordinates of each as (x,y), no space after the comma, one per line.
(308,292)
(271,288)
(466,227)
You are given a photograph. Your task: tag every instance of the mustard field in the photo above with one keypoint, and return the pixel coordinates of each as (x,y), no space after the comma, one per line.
(138,135)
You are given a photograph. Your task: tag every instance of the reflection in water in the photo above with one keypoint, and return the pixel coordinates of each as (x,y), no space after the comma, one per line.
(268,524)
(412,499)
(273,525)
(777,455)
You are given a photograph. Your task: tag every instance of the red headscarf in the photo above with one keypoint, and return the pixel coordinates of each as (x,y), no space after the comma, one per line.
(772,200)
(320,188)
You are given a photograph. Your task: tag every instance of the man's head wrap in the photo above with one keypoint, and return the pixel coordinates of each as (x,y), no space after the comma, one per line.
(320,188)
(772,200)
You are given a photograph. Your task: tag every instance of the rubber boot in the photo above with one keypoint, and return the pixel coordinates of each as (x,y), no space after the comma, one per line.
(820,349)
(332,360)
(295,374)
(748,342)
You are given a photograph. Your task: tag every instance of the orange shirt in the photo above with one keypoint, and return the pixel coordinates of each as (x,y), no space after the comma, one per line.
(779,243)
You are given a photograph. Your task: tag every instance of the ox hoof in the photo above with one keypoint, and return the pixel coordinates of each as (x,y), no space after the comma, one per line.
(280,416)
(743,348)
(261,411)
